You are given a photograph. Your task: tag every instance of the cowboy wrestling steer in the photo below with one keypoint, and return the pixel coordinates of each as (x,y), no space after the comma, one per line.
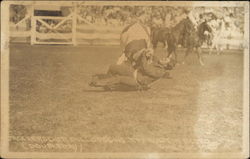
(149,69)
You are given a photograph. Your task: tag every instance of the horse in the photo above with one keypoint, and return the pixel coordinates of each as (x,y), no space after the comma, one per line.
(159,35)
(185,34)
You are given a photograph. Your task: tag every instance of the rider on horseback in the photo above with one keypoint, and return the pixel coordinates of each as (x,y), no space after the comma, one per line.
(191,17)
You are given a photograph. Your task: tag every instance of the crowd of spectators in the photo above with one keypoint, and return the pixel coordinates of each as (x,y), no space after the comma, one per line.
(162,16)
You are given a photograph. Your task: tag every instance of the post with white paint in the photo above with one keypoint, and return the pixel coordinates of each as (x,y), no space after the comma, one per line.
(5,6)
(33,26)
(74,21)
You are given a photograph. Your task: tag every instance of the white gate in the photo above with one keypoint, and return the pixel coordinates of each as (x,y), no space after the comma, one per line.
(53,29)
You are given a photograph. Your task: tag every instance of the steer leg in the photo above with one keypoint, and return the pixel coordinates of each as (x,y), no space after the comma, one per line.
(120,81)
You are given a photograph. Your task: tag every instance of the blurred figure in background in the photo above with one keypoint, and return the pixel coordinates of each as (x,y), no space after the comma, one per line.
(218,27)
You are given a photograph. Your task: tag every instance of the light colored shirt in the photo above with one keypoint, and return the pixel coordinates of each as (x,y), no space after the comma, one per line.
(135,32)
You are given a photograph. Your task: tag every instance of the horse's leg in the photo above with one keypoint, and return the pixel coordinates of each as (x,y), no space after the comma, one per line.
(165,45)
(219,49)
(175,55)
(171,49)
(188,50)
(154,43)
(169,54)
(199,52)
(154,39)
(216,47)
(211,47)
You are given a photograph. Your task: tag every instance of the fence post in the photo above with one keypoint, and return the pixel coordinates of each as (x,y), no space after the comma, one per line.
(33,26)
(74,21)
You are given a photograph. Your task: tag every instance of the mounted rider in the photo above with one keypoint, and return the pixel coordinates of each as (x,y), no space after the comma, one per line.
(192,17)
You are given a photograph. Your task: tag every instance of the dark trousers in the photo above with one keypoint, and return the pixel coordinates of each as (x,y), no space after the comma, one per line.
(134,46)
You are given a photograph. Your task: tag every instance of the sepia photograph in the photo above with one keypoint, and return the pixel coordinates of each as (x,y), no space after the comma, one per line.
(125,79)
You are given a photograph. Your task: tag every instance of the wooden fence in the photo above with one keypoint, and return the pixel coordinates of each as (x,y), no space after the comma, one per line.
(86,33)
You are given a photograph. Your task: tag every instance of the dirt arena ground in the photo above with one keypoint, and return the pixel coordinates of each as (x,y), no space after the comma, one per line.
(199,109)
